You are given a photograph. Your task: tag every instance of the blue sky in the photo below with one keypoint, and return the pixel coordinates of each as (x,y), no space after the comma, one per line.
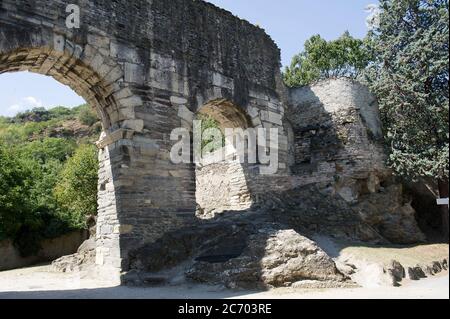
(289,22)
(22,90)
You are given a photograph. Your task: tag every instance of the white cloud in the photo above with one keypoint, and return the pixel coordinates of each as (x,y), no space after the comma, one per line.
(26,103)
(32,101)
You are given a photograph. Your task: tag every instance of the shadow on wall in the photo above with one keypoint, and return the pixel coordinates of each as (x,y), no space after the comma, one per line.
(428,214)
(51,249)
(248,251)
(338,148)
(341,189)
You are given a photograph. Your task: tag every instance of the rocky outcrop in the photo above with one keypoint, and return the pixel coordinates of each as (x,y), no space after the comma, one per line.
(271,258)
(387,212)
(81,260)
(376,274)
(312,210)
(398,272)
(247,251)
(337,146)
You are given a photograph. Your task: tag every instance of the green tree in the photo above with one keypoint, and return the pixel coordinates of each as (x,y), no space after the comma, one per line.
(14,192)
(28,208)
(208,122)
(76,191)
(86,115)
(31,167)
(410,78)
(344,57)
(48,148)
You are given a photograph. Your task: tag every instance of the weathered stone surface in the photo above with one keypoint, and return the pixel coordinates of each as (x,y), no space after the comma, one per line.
(237,252)
(271,258)
(228,177)
(150,68)
(313,210)
(82,260)
(416,273)
(397,272)
(393,219)
(337,146)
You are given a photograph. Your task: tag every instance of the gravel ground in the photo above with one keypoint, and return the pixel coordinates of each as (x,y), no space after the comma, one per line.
(40,283)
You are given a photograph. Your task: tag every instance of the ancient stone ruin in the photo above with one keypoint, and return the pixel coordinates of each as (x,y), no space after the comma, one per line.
(149,67)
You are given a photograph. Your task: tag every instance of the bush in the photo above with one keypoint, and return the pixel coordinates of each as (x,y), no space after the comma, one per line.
(29,211)
(87,116)
(208,144)
(47,185)
(60,112)
(76,191)
(15,208)
(48,148)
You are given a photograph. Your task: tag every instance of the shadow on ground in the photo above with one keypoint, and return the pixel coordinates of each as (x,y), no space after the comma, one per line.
(121,292)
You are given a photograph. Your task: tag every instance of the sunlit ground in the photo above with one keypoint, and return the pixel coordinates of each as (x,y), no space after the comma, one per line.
(39,282)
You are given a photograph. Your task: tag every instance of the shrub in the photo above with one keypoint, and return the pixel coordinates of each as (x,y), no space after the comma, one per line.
(87,116)
(76,191)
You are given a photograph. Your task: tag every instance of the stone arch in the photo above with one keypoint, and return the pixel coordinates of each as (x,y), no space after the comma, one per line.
(91,74)
(226,113)
(224,185)
(94,75)
(141,67)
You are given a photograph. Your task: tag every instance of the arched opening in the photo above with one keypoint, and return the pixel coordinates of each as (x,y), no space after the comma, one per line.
(95,77)
(98,79)
(222,178)
(49,170)
(68,70)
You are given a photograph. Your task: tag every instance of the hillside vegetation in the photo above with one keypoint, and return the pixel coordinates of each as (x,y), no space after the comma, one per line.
(48,174)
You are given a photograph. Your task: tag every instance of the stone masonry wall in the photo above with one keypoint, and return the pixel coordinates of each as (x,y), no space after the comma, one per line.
(221,187)
(337,146)
(337,134)
(51,249)
(149,66)
(146,67)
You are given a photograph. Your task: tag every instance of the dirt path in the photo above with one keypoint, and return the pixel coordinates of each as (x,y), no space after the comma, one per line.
(38,282)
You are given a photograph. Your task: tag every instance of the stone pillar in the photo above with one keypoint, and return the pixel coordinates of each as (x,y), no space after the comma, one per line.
(108,256)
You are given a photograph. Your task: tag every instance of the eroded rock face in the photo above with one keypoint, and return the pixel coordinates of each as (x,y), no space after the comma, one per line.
(338,147)
(390,216)
(81,260)
(271,258)
(313,210)
(249,251)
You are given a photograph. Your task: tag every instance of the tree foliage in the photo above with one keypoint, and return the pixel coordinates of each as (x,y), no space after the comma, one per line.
(27,205)
(86,115)
(410,78)
(344,57)
(34,169)
(210,144)
(14,208)
(76,191)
